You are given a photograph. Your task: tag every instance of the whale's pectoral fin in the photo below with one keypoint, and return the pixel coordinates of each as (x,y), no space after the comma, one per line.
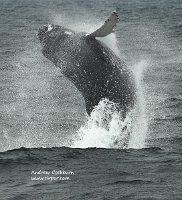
(107,27)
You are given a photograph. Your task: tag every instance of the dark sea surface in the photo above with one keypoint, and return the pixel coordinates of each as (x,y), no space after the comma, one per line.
(49,148)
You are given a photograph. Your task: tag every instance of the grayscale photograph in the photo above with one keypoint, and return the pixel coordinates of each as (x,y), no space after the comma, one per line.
(91,100)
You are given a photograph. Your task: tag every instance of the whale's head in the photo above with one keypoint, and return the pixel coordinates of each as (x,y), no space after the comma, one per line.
(50,33)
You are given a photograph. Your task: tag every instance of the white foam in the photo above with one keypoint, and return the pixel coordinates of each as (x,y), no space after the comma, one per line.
(105,128)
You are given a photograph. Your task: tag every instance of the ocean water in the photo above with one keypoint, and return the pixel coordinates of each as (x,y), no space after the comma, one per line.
(49,147)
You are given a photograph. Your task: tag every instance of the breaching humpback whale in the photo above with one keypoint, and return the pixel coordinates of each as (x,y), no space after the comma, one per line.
(89,64)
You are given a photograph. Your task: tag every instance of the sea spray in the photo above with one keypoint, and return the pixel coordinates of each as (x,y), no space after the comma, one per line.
(140,125)
(105,128)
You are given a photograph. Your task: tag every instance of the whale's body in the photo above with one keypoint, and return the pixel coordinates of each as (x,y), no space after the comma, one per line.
(92,67)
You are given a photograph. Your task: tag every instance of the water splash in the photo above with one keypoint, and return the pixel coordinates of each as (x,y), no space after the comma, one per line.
(105,128)
(140,125)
